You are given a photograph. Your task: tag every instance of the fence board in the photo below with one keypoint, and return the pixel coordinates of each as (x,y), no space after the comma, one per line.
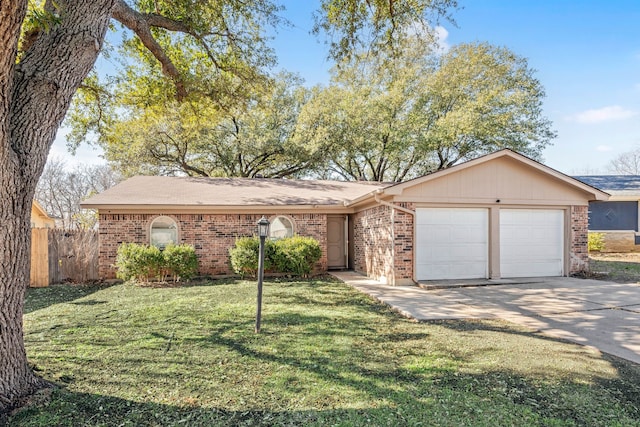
(73,256)
(39,275)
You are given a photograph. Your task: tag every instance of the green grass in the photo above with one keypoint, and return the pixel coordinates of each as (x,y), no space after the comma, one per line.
(623,268)
(327,356)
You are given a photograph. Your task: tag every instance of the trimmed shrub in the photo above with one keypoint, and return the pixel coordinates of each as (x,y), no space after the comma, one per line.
(143,263)
(296,255)
(293,255)
(595,242)
(180,261)
(244,256)
(138,262)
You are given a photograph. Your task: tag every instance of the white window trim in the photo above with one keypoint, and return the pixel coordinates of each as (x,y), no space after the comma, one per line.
(161,218)
(288,218)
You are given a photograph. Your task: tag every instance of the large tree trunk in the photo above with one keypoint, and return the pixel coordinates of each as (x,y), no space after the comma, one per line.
(34,97)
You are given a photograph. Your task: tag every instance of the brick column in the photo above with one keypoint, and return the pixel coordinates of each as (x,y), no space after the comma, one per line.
(579,250)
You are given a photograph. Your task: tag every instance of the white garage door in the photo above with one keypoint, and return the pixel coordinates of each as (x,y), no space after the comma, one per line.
(531,242)
(451,243)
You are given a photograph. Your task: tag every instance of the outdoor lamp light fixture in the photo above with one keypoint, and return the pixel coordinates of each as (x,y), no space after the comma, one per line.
(263,227)
(263,232)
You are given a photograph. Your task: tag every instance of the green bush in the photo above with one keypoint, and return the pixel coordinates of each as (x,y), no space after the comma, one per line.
(138,262)
(296,255)
(293,255)
(244,256)
(180,261)
(143,263)
(596,242)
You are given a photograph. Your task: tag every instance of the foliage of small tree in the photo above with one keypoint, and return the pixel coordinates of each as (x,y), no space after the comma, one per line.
(595,242)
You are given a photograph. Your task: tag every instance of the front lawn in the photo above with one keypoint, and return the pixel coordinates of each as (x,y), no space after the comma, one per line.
(327,356)
(617,267)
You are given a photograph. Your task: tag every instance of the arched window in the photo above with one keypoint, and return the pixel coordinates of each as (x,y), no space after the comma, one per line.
(281,227)
(164,231)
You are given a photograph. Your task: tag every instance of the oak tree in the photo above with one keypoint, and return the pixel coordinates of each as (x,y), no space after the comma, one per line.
(417,109)
(253,135)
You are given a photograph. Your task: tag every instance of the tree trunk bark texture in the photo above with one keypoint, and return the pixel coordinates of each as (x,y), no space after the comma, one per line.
(35,94)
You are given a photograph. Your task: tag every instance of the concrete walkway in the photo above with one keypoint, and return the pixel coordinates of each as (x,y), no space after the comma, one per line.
(600,314)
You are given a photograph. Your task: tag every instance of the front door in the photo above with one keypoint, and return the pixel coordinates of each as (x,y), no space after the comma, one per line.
(336,243)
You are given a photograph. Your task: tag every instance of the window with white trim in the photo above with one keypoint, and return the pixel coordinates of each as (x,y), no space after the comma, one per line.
(164,231)
(281,227)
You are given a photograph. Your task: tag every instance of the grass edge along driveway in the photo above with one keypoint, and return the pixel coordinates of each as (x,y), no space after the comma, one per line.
(328,355)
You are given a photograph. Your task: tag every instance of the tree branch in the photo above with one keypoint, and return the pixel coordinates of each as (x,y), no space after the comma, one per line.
(141,24)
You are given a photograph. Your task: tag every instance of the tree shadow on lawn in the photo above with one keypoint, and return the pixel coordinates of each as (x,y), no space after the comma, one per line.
(449,398)
(73,409)
(405,387)
(39,298)
(388,392)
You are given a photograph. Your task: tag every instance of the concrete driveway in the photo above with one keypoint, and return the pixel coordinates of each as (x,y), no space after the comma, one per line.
(595,313)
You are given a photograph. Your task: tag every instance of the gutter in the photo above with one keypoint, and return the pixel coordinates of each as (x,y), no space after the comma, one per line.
(376,197)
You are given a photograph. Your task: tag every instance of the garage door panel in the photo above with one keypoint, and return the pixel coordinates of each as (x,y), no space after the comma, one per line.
(451,243)
(531,242)
(475,234)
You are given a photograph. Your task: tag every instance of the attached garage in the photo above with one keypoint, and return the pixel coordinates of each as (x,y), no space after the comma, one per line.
(498,216)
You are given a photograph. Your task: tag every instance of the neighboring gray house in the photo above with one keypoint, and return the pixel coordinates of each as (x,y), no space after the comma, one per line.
(617,217)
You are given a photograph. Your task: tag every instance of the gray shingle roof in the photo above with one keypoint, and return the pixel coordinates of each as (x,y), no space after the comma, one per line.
(613,184)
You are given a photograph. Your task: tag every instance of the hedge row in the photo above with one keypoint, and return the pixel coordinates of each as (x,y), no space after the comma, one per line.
(292,255)
(144,263)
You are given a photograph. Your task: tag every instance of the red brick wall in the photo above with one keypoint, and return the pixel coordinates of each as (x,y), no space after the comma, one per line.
(403,247)
(579,256)
(373,246)
(384,243)
(211,235)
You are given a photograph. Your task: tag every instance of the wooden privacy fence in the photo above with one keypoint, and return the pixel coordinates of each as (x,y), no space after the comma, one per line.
(63,256)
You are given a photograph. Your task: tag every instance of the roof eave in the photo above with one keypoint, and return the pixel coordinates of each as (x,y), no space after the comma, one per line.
(211,208)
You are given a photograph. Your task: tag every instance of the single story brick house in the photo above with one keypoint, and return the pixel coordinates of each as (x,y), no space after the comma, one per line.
(617,218)
(500,215)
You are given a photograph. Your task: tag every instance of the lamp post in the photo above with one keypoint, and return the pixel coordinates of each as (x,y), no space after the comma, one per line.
(263,232)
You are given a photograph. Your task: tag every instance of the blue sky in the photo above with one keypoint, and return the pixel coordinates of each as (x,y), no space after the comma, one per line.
(586,53)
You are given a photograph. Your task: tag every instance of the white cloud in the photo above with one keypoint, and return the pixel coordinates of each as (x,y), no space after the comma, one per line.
(441,39)
(603,148)
(437,34)
(605,114)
